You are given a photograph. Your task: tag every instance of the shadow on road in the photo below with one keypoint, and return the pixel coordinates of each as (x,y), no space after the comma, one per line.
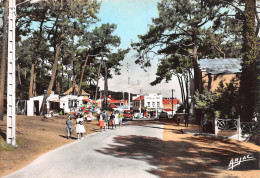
(63,136)
(177,158)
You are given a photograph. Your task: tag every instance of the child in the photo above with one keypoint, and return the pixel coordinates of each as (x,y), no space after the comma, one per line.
(80,129)
(101,123)
(69,126)
(120,120)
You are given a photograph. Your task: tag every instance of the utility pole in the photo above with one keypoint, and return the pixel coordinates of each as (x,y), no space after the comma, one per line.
(11,113)
(172,101)
(140,101)
(105,85)
(128,87)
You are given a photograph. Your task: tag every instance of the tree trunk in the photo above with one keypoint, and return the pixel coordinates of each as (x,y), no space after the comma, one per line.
(58,83)
(3,63)
(82,73)
(19,73)
(248,77)
(105,86)
(74,75)
(197,73)
(55,65)
(34,85)
(35,60)
(98,78)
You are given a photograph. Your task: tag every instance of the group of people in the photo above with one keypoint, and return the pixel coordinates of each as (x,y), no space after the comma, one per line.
(80,128)
(105,121)
(114,120)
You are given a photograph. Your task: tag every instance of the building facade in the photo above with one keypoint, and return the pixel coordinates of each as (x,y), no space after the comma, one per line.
(153,101)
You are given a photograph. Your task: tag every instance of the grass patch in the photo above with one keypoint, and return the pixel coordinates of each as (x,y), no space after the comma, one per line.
(6,147)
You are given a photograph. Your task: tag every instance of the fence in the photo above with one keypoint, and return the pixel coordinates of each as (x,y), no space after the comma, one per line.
(244,129)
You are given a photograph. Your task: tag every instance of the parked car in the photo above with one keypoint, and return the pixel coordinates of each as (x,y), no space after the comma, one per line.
(128,115)
(163,115)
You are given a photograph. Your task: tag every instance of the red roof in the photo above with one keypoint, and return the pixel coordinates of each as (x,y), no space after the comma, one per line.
(112,106)
(138,98)
(108,97)
(115,101)
(169,101)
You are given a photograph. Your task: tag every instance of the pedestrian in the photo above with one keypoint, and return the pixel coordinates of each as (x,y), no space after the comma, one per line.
(186,117)
(111,120)
(106,119)
(69,126)
(98,117)
(116,119)
(80,129)
(101,123)
(120,116)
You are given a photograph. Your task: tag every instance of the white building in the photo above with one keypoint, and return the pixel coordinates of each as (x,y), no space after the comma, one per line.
(153,101)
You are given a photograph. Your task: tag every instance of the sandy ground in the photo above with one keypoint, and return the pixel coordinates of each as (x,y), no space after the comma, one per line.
(37,136)
(187,155)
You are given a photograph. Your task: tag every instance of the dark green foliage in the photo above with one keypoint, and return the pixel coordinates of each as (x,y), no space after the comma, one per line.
(69,23)
(227,103)
(206,102)
(221,104)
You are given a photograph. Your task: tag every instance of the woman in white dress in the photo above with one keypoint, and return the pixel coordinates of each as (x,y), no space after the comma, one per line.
(116,119)
(80,129)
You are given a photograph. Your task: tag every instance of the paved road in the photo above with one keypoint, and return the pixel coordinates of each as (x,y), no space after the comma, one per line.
(131,151)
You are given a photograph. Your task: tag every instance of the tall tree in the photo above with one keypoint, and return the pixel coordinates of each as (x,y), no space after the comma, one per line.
(178,32)
(70,15)
(248,75)
(101,41)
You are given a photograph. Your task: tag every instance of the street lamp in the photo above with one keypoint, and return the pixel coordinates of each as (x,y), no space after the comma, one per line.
(102,58)
(11,113)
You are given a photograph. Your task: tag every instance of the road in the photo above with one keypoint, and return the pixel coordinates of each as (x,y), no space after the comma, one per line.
(131,151)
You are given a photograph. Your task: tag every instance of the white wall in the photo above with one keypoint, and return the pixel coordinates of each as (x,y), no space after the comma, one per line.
(153,98)
(30,104)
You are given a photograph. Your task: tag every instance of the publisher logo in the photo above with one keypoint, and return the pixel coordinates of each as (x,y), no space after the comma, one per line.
(234,162)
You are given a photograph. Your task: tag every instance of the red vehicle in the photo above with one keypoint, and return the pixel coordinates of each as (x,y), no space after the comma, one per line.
(128,114)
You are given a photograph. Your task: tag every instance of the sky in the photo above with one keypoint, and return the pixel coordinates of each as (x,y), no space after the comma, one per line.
(132,18)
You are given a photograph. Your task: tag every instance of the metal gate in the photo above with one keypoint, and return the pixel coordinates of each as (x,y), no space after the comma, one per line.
(244,129)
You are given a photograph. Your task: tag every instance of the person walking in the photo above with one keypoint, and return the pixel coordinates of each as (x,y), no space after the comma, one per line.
(120,119)
(186,117)
(80,129)
(101,123)
(111,120)
(106,119)
(69,126)
(116,119)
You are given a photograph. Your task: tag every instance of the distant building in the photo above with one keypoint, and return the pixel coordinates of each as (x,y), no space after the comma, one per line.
(169,103)
(152,103)
(137,101)
(112,103)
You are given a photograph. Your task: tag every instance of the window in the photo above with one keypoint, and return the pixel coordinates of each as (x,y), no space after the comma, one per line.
(158,104)
(153,104)
(148,103)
